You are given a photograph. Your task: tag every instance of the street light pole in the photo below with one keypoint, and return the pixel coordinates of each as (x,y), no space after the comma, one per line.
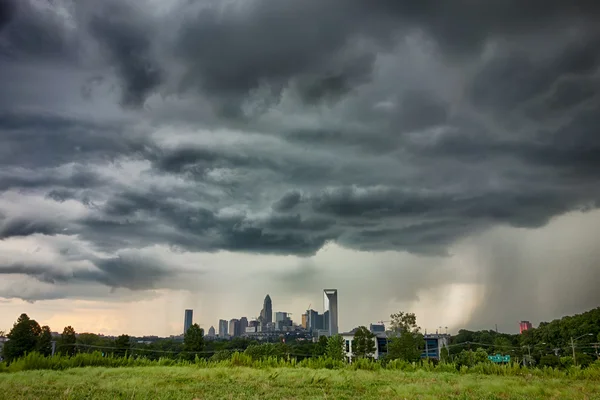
(573,345)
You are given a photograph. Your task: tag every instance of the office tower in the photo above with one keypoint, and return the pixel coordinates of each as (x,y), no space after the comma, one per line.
(222,328)
(524,325)
(314,320)
(187,321)
(282,321)
(305,321)
(330,300)
(266,314)
(243,324)
(234,327)
(211,331)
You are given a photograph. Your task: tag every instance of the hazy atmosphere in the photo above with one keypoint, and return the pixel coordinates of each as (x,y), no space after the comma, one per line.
(434,157)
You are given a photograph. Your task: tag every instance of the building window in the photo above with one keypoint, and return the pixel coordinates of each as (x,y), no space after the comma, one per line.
(347,346)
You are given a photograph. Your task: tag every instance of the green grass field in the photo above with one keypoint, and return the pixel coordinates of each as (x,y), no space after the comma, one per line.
(280,383)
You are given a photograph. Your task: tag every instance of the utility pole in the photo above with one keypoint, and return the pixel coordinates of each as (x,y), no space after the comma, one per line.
(573,345)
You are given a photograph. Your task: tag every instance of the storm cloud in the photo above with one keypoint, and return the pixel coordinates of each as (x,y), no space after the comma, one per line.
(275,128)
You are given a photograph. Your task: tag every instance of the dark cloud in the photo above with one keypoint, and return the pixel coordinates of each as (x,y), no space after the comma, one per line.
(288,201)
(47,140)
(127,39)
(29,30)
(14,227)
(132,272)
(387,125)
(7,10)
(128,270)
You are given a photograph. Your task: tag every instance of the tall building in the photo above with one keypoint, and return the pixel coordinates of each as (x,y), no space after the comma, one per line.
(317,322)
(524,325)
(330,300)
(187,320)
(222,328)
(282,321)
(243,324)
(305,321)
(234,328)
(266,314)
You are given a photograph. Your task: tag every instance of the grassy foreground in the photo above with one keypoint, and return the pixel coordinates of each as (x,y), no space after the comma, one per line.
(281,383)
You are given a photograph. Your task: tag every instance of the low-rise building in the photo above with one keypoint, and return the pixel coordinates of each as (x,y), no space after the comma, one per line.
(380,339)
(433,345)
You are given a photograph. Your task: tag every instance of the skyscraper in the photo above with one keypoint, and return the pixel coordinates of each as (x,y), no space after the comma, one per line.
(266,314)
(234,327)
(187,320)
(211,332)
(524,325)
(330,301)
(243,324)
(222,328)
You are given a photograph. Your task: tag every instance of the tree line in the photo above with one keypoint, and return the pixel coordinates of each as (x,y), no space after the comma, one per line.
(547,345)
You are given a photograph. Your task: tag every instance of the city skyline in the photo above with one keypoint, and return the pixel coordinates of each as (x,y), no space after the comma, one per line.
(416,158)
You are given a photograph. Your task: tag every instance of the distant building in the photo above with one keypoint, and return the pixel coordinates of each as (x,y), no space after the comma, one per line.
(380,340)
(377,328)
(282,321)
(434,344)
(330,299)
(305,321)
(222,328)
(243,324)
(211,332)
(250,329)
(317,322)
(187,321)
(253,323)
(266,314)
(234,327)
(524,326)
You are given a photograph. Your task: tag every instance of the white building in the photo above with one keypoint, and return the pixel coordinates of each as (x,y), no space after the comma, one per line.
(380,340)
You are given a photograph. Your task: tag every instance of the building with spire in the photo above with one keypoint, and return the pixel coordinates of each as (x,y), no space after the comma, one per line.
(266,314)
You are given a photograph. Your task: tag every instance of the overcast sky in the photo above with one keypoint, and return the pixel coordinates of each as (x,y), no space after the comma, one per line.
(440,157)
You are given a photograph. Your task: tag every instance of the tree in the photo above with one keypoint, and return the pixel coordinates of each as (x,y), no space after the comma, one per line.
(502,345)
(404,322)
(444,355)
(335,347)
(409,342)
(550,361)
(363,345)
(44,344)
(23,338)
(471,358)
(193,339)
(123,344)
(67,341)
(321,346)
(408,347)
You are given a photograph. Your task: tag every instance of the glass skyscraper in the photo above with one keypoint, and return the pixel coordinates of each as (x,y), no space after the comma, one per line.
(187,321)
(330,304)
